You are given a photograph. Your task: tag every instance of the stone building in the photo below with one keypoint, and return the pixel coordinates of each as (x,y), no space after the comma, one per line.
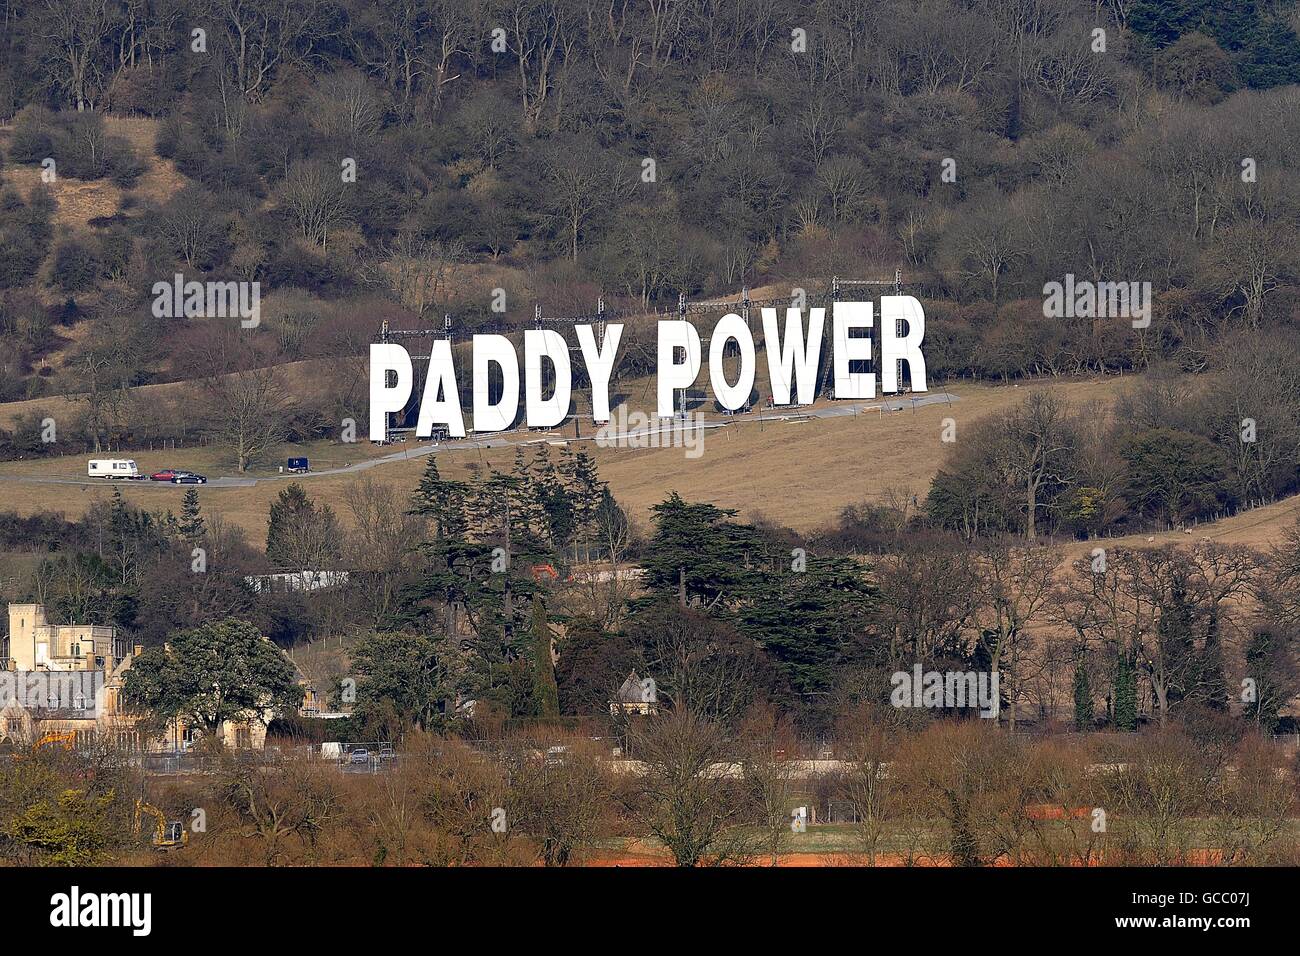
(61,684)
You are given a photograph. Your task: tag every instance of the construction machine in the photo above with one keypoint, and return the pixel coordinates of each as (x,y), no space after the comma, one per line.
(168,834)
(65,740)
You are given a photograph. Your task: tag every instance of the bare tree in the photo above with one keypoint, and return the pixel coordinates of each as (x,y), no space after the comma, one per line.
(383,540)
(987,243)
(574,191)
(346,108)
(1158,787)
(844,180)
(1018,586)
(191,224)
(869,737)
(1037,439)
(313,194)
(420,269)
(563,799)
(249,413)
(534,34)
(255,38)
(76,30)
(688,794)
(930,595)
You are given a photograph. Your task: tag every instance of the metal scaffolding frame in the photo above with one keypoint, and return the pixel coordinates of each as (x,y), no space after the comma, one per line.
(744,306)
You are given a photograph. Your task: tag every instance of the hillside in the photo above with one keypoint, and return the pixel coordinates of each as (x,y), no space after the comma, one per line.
(799,473)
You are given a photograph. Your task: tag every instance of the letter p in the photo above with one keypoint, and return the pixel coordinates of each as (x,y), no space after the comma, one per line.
(383,398)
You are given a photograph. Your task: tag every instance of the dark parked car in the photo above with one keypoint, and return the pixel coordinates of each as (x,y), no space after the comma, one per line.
(188,478)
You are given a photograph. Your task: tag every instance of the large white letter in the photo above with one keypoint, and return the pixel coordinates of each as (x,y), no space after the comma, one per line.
(793,359)
(539,344)
(385,359)
(490,350)
(907,348)
(852,315)
(675,334)
(600,365)
(444,411)
(732,326)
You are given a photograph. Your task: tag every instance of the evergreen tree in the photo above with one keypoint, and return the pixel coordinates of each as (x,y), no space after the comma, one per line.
(699,555)
(587,495)
(1212,684)
(1082,698)
(809,621)
(1271,668)
(212,673)
(609,522)
(481,564)
(402,672)
(441,501)
(1125,715)
(300,536)
(192,526)
(1175,633)
(546,693)
(454,566)
(592,665)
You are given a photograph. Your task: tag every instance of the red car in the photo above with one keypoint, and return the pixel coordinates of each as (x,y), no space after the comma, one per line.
(167,474)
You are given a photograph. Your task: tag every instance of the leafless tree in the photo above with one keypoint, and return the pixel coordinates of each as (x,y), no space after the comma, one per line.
(930,596)
(1018,588)
(254,38)
(382,540)
(345,107)
(868,736)
(1157,788)
(249,412)
(76,29)
(191,224)
(313,194)
(689,794)
(1037,439)
(562,799)
(420,269)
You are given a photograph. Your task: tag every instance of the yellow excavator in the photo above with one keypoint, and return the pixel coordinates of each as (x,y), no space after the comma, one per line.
(64,739)
(168,834)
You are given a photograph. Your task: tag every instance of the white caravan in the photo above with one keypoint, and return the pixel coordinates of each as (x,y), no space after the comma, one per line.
(112,468)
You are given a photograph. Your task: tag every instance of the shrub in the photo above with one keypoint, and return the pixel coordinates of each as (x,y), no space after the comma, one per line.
(76,267)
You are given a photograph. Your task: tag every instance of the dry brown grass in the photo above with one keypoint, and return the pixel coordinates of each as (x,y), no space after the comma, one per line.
(1258,528)
(161,179)
(79,202)
(800,475)
(304,380)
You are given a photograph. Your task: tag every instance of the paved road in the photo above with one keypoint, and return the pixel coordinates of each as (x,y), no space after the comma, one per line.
(791,414)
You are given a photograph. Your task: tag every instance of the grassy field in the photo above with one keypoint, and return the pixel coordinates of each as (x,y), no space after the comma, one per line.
(800,474)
